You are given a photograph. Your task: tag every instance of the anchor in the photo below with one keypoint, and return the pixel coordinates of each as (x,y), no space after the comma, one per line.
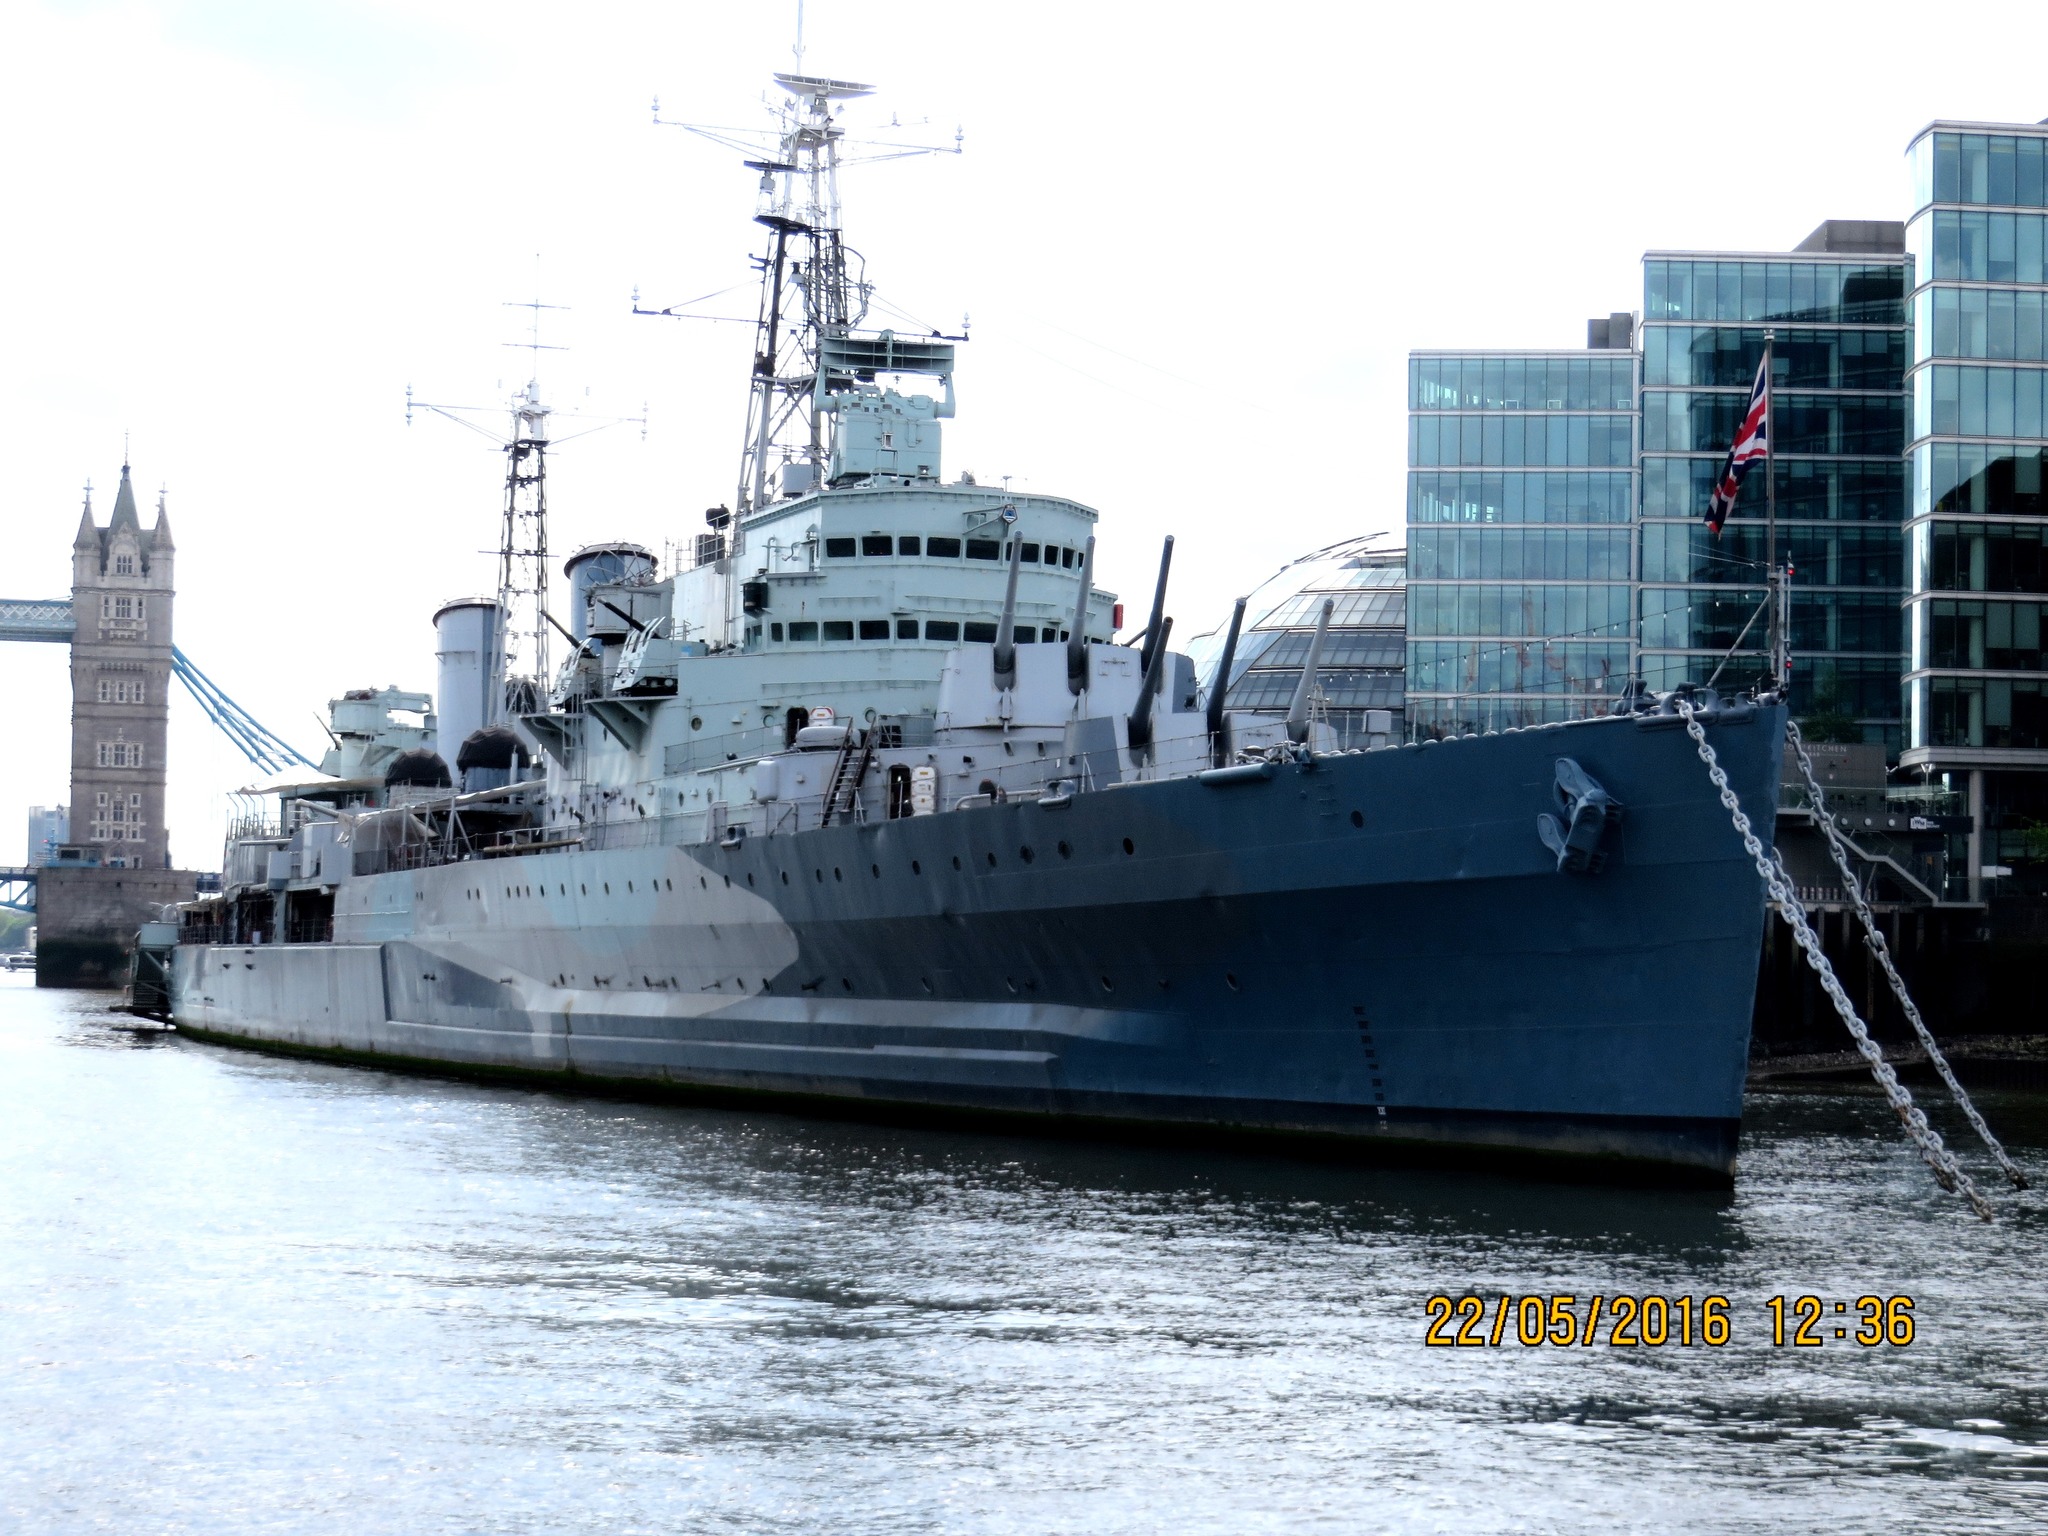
(1588,811)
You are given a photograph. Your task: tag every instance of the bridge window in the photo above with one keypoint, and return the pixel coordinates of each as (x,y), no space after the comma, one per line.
(941,629)
(1066,557)
(984,549)
(1031,553)
(942,549)
(1048,634)
(874,629)
(839,629)
(839,549)
(907,545)
(984,634)
(906,629)
(803,631)
(774,631)
(877,544)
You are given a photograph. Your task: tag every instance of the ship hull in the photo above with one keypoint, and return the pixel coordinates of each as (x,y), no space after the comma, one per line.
(1374,953)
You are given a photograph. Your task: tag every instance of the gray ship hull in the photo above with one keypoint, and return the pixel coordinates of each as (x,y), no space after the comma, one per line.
(1375,950)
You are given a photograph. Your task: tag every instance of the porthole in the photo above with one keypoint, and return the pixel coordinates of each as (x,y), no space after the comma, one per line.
(916,868)
(846,982)
(1025,854)
(583,888)
(925,982)
(1010,982)
(706,883)
(820,875)
(696,722)
(835,873)
(607,887)
(728,881)
(629,885)
(956,861)
(785,877)
(1129,846)
(1358,818)
(1230,981)
(668,884)
(875,870)
(750,878)
(991,860)
(1066,851)
(1107,984)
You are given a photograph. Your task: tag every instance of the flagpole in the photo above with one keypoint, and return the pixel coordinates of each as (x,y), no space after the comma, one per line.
(1776,636)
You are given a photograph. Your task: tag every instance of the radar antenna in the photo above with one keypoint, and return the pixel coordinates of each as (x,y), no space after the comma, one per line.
(813,286)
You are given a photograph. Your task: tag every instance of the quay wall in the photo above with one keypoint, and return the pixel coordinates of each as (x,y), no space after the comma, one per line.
(86,920)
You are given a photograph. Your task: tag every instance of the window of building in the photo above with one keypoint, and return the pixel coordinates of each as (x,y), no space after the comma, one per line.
(942,549)
(120,754)
(839,549)
(839,629)
(941,629)
(121,690)
(874,629)
(877,544)
(907,545)
(124,565)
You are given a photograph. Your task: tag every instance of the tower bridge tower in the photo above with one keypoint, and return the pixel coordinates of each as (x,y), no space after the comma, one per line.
(121,595)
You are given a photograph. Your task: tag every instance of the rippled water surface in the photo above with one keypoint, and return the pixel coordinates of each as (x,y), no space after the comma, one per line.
(243,1293)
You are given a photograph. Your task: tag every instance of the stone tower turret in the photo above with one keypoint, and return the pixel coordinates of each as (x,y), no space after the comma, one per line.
(121,597)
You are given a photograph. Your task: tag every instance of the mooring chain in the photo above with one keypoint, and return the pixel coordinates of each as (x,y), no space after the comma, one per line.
(1873,936)
(1948,1173)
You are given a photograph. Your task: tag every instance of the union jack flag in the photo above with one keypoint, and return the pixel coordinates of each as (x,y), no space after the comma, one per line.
(1751,440)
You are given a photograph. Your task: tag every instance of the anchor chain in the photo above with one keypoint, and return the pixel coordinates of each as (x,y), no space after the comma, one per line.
(1873,937)
(1940,1161)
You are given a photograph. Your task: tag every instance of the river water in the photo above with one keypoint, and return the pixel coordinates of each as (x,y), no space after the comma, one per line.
(244,1293)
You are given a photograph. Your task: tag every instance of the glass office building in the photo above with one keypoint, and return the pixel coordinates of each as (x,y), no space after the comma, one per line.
(1976,689)
(1521,493)
(1837,309)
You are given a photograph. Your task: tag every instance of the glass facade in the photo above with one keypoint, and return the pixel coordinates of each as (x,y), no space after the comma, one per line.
(1977,680)
(1841,349)
(1521,549)
(1363,655)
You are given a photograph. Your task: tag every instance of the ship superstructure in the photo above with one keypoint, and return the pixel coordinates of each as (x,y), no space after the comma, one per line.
(866,809)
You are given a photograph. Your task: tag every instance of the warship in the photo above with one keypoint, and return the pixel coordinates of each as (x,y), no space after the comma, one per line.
(868,812)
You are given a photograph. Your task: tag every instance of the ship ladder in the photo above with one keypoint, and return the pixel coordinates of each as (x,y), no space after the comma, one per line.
(1874,940)
(848,769)
(1941,1162)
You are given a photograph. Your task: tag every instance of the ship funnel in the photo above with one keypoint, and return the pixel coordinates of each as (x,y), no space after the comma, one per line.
(1158,609)
(1148,690)
(1297,712)
(1077,638)
(1219,748)
(1006,632)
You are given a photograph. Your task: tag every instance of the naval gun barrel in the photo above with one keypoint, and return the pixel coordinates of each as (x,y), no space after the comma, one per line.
(1297,712)
(1218,747)
(1148,690)
(1077,637)
(1158,609)
(1006,632)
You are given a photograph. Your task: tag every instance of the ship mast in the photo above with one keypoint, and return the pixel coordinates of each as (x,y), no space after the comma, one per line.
(811,286)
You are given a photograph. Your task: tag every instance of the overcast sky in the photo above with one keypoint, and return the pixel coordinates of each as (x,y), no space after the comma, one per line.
(1195,242)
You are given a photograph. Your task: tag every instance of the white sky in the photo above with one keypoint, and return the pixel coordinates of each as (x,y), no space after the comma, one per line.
(1196,241)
